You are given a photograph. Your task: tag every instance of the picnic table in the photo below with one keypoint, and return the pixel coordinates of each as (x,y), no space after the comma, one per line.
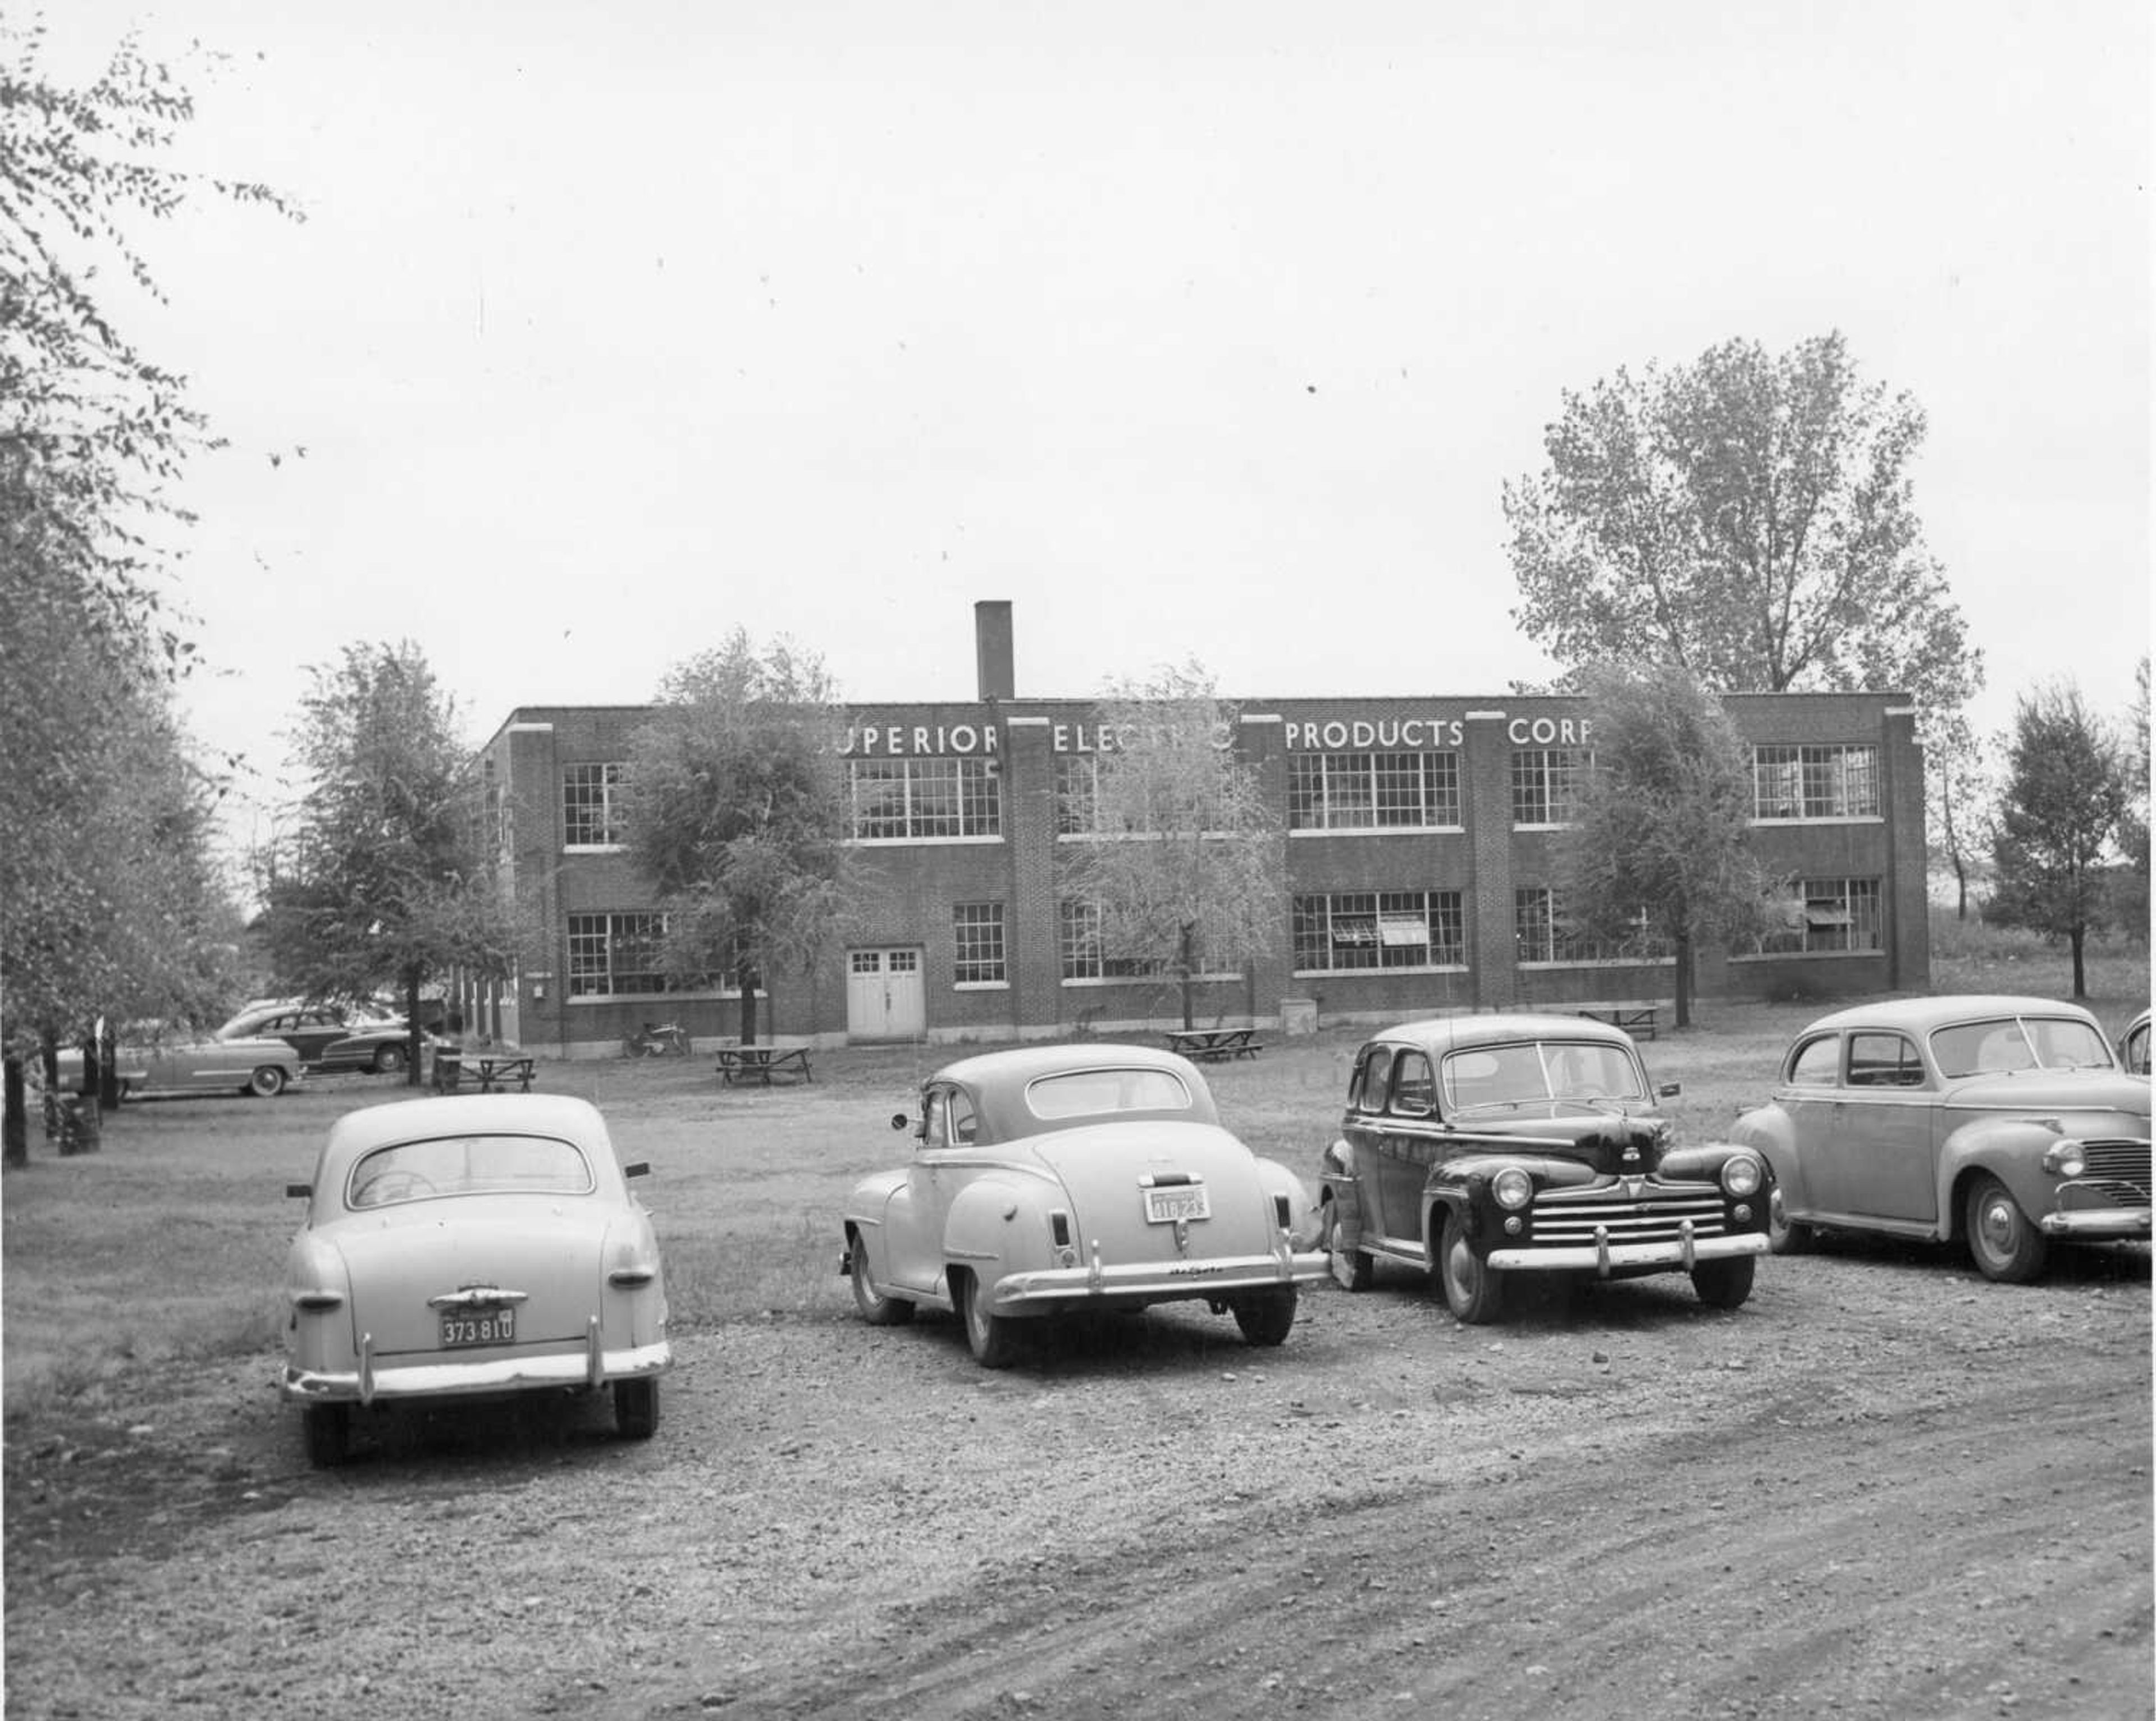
(1211,1045)
(760,1063)
(487,1071)
(1637,1020)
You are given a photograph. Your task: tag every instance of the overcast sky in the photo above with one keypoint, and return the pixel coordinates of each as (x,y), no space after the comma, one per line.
(1195,330)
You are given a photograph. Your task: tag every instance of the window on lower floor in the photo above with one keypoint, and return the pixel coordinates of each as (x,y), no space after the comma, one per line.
(1825,914)
(611,956)
(978,932)
(1542,932)
(1349,932)
(1084,954)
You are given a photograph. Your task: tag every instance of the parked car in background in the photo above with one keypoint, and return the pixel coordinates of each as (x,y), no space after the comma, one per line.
(182,1061)
(328,1038)
(1050,1180)
(2133,1046)
(1474,1147)
(467,1248)
(2004,1123)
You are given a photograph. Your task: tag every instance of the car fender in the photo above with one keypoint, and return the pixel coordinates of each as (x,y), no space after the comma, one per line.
(1275,1179)
(2010,1148)
(1701,1161)
(1768,1132)
(997,1224)
(867,1213)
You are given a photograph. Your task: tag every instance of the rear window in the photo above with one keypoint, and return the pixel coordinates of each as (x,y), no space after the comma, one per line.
(1103,1092)
(468,1164)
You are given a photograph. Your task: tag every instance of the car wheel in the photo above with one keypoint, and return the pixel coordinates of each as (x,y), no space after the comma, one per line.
(1724,1284)
(2005,1246)
(989,1336)
(390,1059)
(328,1430)
(877,1309)
(1785,1237)
(1268,1317)
(1352,1269)
(636,1407)
(1474,1290)
(266,1083)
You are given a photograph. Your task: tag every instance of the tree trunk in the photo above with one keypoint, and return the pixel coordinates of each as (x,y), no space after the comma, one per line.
(749,1007)
(411,1041)
(1684,979)
(2080,974)
(1183,964)
(14,1123)
(1961,889)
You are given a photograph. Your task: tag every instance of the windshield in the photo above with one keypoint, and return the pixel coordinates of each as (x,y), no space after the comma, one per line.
(1103,1092)
(2007,1043)
(468,1164)
(1546,1070)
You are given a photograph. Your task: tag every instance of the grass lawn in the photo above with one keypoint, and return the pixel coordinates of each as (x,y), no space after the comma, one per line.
(169,1243)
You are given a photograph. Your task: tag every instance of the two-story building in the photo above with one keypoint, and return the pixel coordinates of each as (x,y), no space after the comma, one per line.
(1419,864)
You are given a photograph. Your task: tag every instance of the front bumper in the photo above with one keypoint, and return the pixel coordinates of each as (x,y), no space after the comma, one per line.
(1606,1257)
(2097,1224)
(587,1369)
(1141,1282)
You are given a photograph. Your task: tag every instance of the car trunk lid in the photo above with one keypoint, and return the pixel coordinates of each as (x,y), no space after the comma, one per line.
(1106,1178)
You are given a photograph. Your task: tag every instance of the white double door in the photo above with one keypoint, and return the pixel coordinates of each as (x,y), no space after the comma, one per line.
(884,999)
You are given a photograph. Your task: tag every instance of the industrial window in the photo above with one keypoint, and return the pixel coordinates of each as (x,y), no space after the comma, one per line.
(978,931)
(1371,791)
(1826,914)
(916,800)
(1084,956)
(1350,931)
(1540,934)
(1825,782)
(612,955)
(591,805)
(1546,784)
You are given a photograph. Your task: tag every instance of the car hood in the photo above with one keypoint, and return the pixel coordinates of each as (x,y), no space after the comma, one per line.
(551,1248)
(2077,1091)
(1610,1143)
(1101,1166)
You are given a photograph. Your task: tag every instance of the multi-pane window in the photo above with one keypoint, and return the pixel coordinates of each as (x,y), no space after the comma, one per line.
(1546,784)
(1367,792)
(611,956)
(1829,915)
(978,932)
(1542,934)
(591,805)
(912,799)
(1823,782)
(1353,929)
(1077,794)
(1084,953)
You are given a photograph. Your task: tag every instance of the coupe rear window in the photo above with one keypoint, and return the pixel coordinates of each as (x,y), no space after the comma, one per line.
(468,1164)
(2018,1042)
(1103,1092)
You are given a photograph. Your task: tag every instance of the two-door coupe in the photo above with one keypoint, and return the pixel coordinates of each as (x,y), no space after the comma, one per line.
(1056,1180)
(184,1061)
(1476,1147)
(328,1038)
(2002,1122)
(471,1247)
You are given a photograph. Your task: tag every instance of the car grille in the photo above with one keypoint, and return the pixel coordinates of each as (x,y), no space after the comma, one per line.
(1655,1220)
(2120,1169)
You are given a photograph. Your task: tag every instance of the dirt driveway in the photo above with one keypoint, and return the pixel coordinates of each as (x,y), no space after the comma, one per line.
(1882,1487)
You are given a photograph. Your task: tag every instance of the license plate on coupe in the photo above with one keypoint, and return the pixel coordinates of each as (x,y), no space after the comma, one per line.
(468,1326)
(1164,1206)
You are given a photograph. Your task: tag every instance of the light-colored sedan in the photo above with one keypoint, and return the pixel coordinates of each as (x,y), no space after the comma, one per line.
(188,1062)
(2004,1122)
(1058,1180)
(467,1248)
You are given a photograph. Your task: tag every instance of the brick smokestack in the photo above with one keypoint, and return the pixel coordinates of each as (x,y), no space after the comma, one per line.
(992,646)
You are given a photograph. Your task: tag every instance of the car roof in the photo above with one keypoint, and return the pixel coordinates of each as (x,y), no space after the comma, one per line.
(1921,1015)
(1024,1064)
(372,1126)
(1439,1034)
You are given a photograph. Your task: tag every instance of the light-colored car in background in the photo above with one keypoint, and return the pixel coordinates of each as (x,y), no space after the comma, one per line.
(180,1060)
(1053,1180)
(330,1038)
(471,1247)
(1476,1149)
(2004,1123)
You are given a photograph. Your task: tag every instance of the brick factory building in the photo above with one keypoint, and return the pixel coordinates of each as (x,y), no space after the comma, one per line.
(1417,832)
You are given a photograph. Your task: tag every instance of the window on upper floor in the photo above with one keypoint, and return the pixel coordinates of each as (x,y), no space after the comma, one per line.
(1792,781)
(1372,792)
(591,805)
(923,800)
(1546,784)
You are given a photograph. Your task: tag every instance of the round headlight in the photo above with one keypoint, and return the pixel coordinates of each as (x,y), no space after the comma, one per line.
(1512,1187)
(2065,1159)
(1741,1175)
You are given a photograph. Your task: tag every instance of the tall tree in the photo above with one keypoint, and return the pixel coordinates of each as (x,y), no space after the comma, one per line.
(1184,862)
(2131,907)
(2065,792)
(385,882)
(1661,837)
(1957,792)
(735,811)
(1748,517)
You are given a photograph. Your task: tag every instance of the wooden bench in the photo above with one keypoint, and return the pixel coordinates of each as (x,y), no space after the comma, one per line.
(1213,1044)
(486,1071)
(760,1063)
(1637,1020)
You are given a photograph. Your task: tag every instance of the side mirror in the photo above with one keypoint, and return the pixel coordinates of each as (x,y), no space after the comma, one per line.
(637,1168)
(300,1191)
(899,1120)
(1668,1090)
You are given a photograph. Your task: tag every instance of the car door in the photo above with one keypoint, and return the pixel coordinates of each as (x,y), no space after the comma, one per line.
(1882,1166)
(1811,1094)
(944,1161)
(1407,1148)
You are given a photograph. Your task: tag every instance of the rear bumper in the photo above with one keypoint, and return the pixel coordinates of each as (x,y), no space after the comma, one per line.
(2097,1224)
(1610,1257)
(371,1381)
(1136,1282)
